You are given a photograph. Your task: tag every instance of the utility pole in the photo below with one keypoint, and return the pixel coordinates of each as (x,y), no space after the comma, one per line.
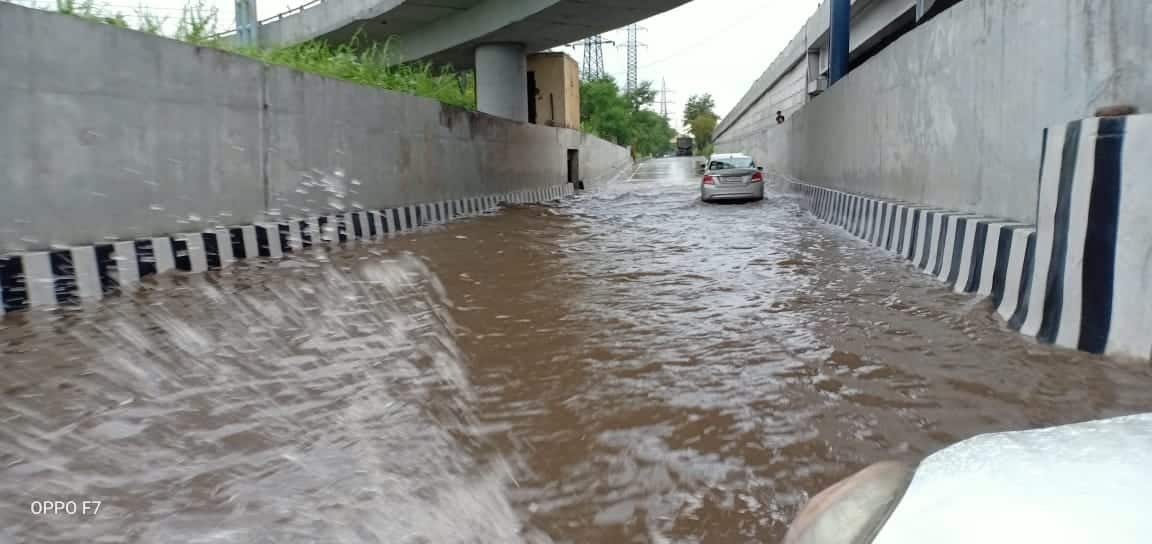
(593,67)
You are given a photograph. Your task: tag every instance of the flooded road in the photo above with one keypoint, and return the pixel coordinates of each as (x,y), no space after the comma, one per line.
(628,365)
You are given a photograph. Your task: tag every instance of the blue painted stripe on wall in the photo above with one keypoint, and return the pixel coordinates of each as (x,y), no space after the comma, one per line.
(941,239)
(1025,293)
(261,242)
(913,239)
(106,266)
(305,234)
(180,253)
(912,215)
(285,231)
(321,229)
(1100,240)
(63,276)
(1003,254)
(892,225)
(957,250)
(930,220)
(372,225)
(211,250)
(236,237)
(13,289)
(145,257)
(1043,156)
(978,244)
(357,227)
(1054,282)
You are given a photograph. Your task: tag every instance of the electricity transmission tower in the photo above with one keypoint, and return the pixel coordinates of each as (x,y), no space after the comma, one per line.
(593,67)
(633,30)
(664,99)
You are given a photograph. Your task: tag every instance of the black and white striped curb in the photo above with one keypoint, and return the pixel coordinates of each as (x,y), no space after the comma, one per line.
(70,275)
(1081,278)
(1092,279)
(973,254)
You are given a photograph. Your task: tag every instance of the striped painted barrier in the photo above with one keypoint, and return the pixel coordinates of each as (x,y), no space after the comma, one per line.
(71,275)
(1092,282)
(1081,278)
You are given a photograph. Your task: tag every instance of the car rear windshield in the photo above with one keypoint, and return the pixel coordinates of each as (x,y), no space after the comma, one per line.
(730,163)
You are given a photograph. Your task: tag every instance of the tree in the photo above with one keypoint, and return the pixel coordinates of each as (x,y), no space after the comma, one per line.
(604,111)
(653,136)
(621,118)
(197,22)
(699,104)
(702,128)
(642,95)
(701,120)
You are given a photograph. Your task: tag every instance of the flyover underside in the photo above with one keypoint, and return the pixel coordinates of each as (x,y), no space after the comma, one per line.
(448,32)
(451,33)
(562,23)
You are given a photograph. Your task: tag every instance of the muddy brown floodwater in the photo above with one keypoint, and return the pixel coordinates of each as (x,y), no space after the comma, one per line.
(628,365)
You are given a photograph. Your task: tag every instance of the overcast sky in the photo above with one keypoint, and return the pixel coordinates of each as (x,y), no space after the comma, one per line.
(708,46)
(705,46)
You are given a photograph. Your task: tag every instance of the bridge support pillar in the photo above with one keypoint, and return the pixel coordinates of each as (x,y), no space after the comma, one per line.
(502,81)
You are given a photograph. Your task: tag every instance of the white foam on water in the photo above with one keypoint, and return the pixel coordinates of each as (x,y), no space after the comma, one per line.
(331,404)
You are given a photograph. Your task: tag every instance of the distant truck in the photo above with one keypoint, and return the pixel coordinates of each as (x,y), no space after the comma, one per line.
(684,146)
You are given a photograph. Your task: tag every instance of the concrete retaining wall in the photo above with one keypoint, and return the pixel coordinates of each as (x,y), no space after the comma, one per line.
(111,134)
(951,113)
(1080,278)
(89,272)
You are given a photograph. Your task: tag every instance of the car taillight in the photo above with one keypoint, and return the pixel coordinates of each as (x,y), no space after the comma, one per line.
(709,180)
(758,176)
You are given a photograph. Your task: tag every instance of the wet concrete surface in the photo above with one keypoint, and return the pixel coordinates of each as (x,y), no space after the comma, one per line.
(628,365)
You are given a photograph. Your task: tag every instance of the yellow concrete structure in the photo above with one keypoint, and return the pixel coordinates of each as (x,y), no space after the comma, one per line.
(553,90)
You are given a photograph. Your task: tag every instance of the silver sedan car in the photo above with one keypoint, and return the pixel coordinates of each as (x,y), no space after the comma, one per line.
(731,176)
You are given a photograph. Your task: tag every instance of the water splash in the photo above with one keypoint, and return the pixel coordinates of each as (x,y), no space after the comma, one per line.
(332,406)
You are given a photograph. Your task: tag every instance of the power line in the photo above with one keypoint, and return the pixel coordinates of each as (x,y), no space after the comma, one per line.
(677,52)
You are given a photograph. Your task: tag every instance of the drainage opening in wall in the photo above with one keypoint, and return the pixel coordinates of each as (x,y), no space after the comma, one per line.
(574,169)
(533,92)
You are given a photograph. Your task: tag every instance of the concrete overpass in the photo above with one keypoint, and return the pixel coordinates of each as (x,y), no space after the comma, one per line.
(491,36)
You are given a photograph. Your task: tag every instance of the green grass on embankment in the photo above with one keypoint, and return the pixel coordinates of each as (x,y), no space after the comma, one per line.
(358,62)
(367,65)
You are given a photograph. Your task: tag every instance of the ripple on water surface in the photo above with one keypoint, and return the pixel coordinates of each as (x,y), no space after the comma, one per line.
(626,366)
(330,404)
